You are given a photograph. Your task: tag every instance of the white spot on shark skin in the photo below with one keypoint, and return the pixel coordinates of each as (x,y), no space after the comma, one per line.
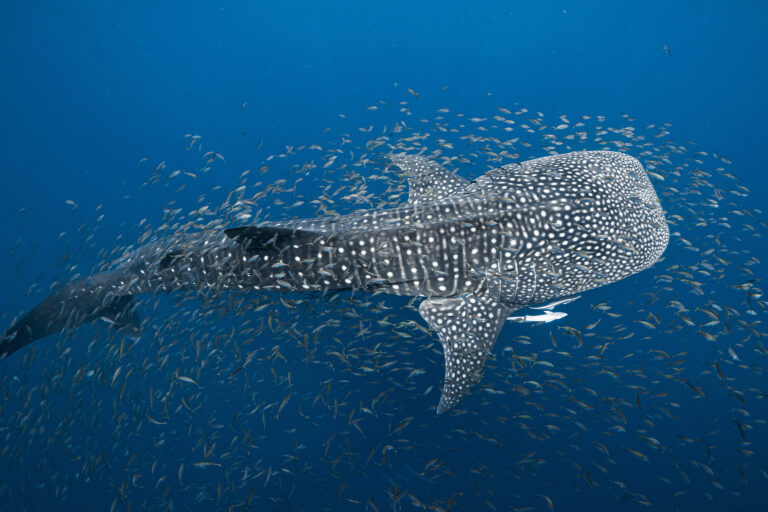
(522,234)
(572,235)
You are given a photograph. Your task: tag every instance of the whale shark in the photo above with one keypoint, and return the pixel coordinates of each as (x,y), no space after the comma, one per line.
(476,251)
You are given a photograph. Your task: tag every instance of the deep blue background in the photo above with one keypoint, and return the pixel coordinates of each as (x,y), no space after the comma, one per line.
(89,88)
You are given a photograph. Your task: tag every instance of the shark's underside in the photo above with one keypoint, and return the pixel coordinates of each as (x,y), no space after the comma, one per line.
(518,235)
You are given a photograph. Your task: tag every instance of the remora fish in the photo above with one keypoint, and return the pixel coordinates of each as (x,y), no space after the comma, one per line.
(519,235)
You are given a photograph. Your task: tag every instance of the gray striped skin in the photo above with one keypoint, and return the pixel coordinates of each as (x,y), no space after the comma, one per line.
(517,236)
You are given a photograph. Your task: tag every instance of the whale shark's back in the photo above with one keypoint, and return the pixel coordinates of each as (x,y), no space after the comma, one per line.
(575,221)
(557,226)
(614,201)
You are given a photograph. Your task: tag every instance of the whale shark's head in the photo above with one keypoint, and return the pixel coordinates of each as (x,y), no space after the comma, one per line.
(644,224)
(615,206)
(565,224)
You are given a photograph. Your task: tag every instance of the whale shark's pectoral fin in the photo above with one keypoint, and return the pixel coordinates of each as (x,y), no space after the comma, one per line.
(427,180)
(467,327)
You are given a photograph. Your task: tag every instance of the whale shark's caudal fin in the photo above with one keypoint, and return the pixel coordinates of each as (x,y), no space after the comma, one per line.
(80,302)
(467,326)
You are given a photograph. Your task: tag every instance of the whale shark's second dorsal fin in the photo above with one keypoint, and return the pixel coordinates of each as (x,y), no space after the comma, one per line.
(256,239)
(427,180)
(467,326)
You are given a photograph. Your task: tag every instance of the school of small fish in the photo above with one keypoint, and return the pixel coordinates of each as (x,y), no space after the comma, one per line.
(291,401)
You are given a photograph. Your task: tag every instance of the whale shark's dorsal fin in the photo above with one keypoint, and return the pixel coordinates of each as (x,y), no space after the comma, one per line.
(255,239)
(427,180)
(467,326)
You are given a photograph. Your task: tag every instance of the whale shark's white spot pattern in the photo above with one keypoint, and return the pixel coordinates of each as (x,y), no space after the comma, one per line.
(518,235)
(468,327)
(427,180)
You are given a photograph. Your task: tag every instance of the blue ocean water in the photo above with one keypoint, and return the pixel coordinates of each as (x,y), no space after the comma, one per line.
(97,97)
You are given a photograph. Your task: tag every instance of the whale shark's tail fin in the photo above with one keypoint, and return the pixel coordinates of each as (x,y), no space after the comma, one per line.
(467,326)
(81,301)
